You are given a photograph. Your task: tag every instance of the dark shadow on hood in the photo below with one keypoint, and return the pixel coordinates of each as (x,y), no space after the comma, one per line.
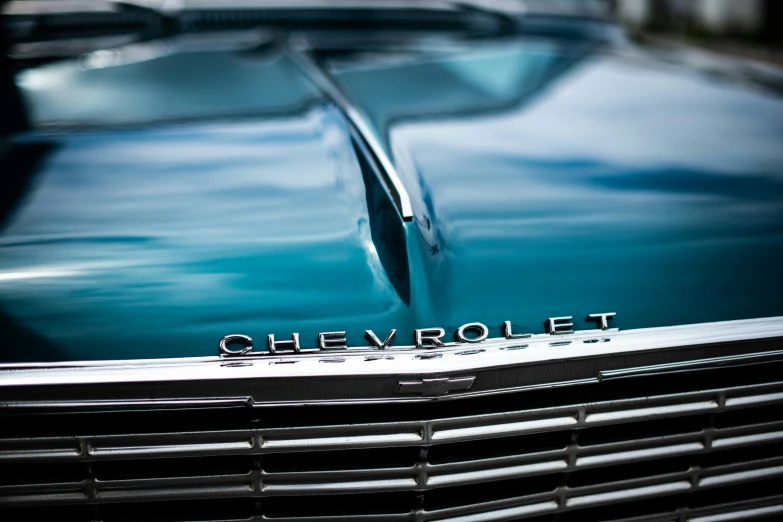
(19,165)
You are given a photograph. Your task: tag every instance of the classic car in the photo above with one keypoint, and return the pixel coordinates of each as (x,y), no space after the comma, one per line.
(385,261)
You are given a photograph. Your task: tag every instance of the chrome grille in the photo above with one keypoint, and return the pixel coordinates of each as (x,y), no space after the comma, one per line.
(700,446)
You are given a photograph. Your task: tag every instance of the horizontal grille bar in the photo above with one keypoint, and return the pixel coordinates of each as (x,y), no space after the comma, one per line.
(560,498)
(385,434)
(751,510)
(741,514)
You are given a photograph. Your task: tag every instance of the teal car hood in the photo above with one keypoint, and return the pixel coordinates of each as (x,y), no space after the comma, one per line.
(157,243)
(553,179)
(546,180)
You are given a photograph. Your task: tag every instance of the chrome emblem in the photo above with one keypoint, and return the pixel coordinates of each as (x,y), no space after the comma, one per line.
(440,386)
(237,345)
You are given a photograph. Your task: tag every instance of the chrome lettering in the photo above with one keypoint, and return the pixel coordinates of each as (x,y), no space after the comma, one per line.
(432,335)
(293,343)
(370,335)
(331,340)
(235,339)
(509,334)
(602,319)
(556,326)
(479,328)
(425,338)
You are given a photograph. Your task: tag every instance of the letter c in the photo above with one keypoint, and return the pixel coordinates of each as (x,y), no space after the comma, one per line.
(237,339)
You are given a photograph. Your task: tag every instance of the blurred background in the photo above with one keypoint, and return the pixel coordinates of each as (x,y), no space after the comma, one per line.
(744,28)
(747,33)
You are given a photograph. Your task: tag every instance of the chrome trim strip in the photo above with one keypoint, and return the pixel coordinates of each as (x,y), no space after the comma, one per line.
(744,510)
(393,183)
(728,478)
(399,361)
(508,513)
(701,364)
(114,405)
(753,399)
(743,514)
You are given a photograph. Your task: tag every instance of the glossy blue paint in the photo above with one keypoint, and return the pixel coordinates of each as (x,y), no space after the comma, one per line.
(548,178)
(593,182)
(158,242)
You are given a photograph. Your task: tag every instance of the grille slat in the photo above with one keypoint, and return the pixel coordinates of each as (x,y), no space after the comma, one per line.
(742,514)
(720,479)
(640,454)
(505,514)
(748,439)
(522,470)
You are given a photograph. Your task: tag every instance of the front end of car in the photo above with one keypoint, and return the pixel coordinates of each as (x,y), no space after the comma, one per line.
(442,262)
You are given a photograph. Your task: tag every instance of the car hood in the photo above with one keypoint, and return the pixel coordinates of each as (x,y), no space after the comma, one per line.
(547,179)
